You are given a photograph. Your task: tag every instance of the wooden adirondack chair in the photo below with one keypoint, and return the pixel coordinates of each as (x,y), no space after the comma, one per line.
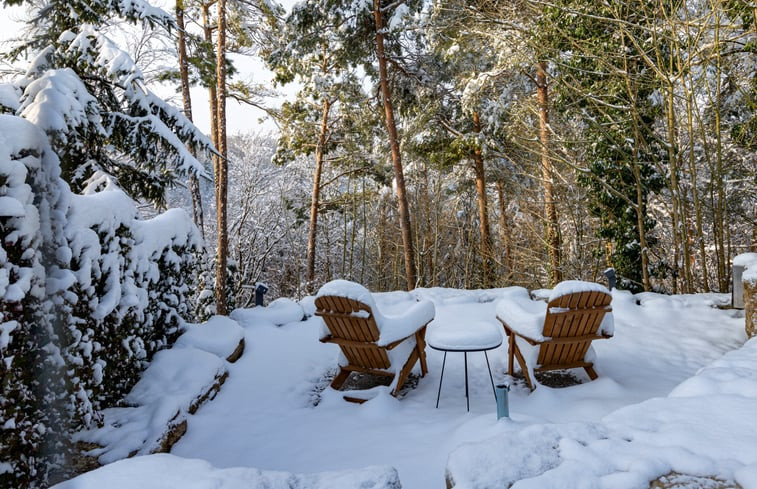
(572,320)
(354,323)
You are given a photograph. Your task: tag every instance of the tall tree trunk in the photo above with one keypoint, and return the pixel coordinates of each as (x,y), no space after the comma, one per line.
(674,187)
(506,241)
(316,195)
(194,183)
(550,209)
(640,213)
(721,211)
(404,211)
(212,92)
(221,165)
(483,212)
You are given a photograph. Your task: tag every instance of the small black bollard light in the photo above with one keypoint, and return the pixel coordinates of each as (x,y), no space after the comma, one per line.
(260,290)
(611,279)
(503,404)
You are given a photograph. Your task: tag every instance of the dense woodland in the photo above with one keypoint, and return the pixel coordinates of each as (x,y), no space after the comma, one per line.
(466,144)
(529,142)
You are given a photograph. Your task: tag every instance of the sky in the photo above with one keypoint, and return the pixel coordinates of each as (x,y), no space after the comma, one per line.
(241,118)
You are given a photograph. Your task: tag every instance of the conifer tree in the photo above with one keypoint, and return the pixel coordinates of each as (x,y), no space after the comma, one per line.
(315,52)
(613,92)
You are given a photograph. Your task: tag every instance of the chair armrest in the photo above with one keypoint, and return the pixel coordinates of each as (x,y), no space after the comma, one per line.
(524,318)
(399,327)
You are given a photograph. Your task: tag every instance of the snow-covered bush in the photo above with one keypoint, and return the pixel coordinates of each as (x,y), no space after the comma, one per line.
(88,293)
(32,390)
(166,253)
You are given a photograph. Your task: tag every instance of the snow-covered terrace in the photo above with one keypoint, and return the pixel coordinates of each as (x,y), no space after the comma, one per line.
(677,392)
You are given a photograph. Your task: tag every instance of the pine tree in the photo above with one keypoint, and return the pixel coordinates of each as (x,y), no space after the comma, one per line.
(125,130)
(315,52)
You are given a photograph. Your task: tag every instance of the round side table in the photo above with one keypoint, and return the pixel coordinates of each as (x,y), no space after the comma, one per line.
(471,337)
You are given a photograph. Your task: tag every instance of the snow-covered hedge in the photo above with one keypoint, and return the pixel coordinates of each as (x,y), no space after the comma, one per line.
(88,294)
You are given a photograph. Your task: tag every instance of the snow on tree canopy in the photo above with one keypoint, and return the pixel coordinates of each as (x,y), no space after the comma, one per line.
(9,96)
(109,208)
(92,100)
(144,11)
(58,102)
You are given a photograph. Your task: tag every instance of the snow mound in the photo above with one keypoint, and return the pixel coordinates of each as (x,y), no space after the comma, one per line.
(162,470)
(173,386)
(749,262)
(632,445)
(219,336)
(279,312)
(164,396)
(515,454)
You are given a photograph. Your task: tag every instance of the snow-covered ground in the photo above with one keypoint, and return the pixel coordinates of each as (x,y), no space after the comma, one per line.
(271,413)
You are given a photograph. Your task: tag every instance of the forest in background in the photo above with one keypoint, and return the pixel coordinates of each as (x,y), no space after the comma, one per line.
(538,141)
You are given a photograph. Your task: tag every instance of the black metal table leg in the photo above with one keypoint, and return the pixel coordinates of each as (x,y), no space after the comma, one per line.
(490,374)
(467,398)
(441,377)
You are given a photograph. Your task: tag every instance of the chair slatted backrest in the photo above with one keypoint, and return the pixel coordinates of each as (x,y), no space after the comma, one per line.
(572,315)
(346,320)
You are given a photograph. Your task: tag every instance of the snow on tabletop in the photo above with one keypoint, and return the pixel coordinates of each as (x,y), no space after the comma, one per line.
(169,386)
(467,335)
(162,471)
(521,314)
(573,286)
(219,336)
(279,312)
(403,322)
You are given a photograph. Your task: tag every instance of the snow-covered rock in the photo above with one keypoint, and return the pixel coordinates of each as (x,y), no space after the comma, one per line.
(176,382)
(220,336)
(279,312)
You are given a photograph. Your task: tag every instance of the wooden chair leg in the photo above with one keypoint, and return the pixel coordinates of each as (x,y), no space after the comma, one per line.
(402,377)
(522,363)
(510,353)
(420,345)
(592,373)
(340,378)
